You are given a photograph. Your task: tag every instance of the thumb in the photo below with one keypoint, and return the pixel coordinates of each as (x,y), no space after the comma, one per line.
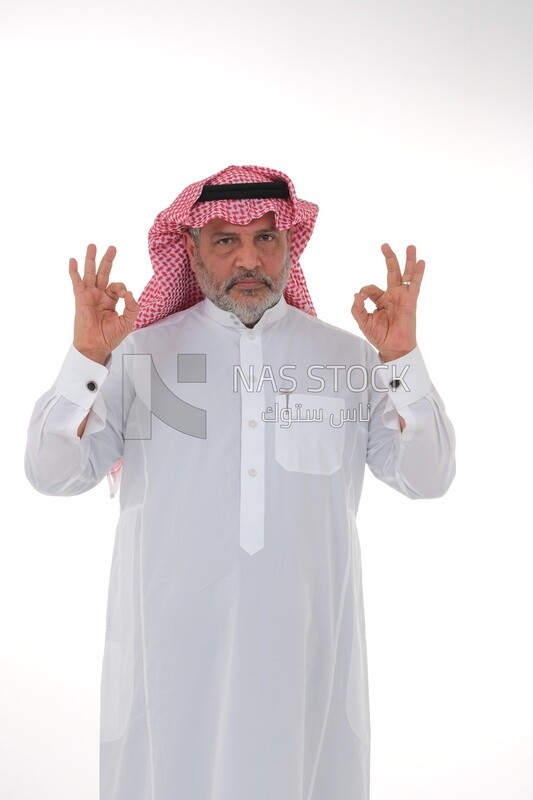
(359,312)
(131,309)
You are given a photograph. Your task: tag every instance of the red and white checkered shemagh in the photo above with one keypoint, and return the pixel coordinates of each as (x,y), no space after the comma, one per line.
(173,286)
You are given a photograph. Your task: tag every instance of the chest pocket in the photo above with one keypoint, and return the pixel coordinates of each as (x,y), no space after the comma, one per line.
(307,439)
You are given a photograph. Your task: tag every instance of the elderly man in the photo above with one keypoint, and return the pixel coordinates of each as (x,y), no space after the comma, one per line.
(239,425)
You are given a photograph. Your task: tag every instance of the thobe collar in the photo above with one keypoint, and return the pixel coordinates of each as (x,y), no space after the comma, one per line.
(230,320)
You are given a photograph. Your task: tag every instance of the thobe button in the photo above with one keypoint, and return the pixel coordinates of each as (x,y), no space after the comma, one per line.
(252,423)
(91,386)
(252,472)
(251,335)
(394,383)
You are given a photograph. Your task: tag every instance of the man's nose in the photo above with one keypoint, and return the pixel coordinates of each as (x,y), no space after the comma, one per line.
(247,255)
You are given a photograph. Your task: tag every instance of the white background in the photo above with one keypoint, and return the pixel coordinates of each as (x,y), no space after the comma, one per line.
(406,122)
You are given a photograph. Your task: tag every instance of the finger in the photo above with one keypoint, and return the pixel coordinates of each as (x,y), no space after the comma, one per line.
(104,269)
(410,261)
(75,277)
(394,274)
(359,312)
(414,270)
(89,275)
(116,290)
(418,274)
(372,292)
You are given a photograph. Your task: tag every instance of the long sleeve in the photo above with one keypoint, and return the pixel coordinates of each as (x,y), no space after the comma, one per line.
(57,460)
(420,460)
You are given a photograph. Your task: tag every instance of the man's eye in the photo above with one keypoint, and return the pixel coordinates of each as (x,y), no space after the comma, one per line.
(225,240)
(267,237)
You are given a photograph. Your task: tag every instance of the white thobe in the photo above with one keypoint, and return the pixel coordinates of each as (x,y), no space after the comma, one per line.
(235,660)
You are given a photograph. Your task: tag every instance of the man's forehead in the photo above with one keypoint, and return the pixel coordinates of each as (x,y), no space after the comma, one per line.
(266,222)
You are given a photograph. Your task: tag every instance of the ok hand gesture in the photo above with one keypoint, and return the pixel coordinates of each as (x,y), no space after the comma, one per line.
(391,327)
(98,328)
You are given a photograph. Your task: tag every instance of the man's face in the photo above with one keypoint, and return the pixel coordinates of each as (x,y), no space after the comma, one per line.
(241,268)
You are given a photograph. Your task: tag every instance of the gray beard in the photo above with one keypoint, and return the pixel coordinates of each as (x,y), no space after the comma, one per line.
(251,312)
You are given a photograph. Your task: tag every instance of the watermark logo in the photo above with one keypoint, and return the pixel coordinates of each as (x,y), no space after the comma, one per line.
(289,415)
(158,400)
(354,377)
(155,398)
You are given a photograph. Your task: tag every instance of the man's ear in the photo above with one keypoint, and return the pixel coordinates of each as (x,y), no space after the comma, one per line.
(190,247)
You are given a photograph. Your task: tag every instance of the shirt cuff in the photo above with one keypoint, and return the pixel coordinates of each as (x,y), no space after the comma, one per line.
(406,379)
(80,379)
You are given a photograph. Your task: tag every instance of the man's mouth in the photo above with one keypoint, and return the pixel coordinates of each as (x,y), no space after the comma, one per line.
(248,283)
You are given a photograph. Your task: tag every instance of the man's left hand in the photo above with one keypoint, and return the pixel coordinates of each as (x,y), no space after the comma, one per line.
(391,327)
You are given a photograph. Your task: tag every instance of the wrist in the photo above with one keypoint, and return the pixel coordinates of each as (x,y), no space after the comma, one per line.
(392,355)
(100,356)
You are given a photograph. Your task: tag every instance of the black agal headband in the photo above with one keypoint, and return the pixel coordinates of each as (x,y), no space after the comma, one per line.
(244,191)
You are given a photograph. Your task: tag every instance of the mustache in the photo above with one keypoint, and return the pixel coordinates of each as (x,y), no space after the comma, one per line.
(248,273)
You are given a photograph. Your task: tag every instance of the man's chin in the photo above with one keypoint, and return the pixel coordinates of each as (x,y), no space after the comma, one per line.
(251,305)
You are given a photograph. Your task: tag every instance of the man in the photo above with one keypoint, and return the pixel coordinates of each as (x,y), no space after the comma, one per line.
(235,658)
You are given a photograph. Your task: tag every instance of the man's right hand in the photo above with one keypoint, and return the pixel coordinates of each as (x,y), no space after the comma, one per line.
(98,328)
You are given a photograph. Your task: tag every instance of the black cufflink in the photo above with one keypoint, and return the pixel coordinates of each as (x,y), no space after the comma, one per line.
(394,383)
(92,387)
